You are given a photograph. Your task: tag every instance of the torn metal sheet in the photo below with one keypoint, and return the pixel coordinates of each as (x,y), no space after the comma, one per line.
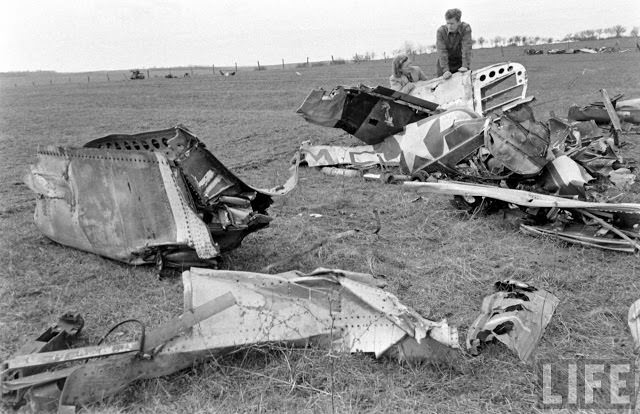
(435,143)
(563,176)
(369,114)
(341,310)
(516,315)
(634,324)
(144,198)
(519,146)
(482,90)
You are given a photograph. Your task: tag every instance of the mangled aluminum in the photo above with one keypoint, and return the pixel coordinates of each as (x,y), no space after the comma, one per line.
(369,114)
(434,143)
(433,128)
(633,320)
(516,315)
(225,310)
(154,197)
(373,114)
(519,146)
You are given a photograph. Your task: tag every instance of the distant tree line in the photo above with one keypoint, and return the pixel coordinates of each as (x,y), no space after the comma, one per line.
(411,49)
(614,31)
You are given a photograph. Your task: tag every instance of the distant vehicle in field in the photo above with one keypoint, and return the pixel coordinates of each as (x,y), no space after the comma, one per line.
(136,74)
(170,76)
(223,73)
(533,51)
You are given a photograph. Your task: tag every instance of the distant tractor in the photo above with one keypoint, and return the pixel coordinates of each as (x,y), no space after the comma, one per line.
(136,74)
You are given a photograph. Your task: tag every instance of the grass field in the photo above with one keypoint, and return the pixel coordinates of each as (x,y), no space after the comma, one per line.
(435,258)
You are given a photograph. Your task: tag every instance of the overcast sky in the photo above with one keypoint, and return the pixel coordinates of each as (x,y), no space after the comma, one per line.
(83,35)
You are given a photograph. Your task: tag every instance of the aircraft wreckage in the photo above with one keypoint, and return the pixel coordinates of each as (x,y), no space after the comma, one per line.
(97,198)
(226,310)
(479,126)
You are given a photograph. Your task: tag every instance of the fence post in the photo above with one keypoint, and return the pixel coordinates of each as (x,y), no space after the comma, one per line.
(192,71)
(282,64)
(88,79)
(213,69)
(108,80)
(307,61)
(148,74)
(236,66)
(258,66)
(332,61)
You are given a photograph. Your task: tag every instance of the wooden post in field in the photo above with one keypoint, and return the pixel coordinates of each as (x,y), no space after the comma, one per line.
(307,61)
(236,66)
(213,69)
(283,64)
(384,55)
(108,80)
(148,74)
(192,71)
(258,66)
(332,61)
(88,79)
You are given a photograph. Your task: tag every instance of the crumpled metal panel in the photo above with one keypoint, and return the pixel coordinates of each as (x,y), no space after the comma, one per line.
(369,114)
(326,307)
(130,197)
(107,200)
(564,176)
(516,315)
(519,146)
(435,143)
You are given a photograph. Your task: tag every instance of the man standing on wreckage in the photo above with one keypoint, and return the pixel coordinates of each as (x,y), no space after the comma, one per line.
(453,43)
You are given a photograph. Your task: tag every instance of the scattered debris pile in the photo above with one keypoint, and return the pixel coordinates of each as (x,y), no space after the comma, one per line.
(155,197)
(514,158)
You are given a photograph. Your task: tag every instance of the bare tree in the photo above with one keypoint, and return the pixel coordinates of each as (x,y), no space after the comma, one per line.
(634,31)
(550,40)
(481,41)
(619,30)
(498,40)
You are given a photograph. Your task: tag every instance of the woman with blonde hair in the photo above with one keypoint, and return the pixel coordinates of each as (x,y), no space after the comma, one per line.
(405,75)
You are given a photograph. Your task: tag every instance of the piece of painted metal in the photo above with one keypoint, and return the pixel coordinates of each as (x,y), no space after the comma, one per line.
(516,315)
(435,143)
